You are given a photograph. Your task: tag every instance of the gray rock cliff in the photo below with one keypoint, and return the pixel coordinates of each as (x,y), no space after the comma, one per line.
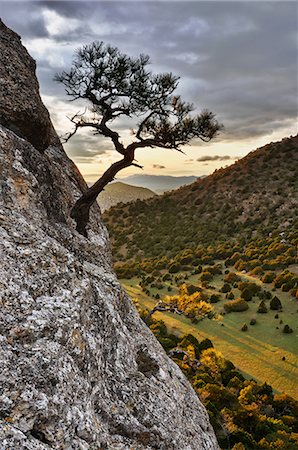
(18,82)
(79,369)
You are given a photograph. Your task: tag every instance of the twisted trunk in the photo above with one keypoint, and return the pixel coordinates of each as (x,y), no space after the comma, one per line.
(81,210)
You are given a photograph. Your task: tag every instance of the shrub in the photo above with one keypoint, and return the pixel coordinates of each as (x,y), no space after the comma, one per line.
(166,277)
(205,344)
(247,294)
(287,329)
(232,277)
(257,271)
(167,343)
(226,288)
(286,277)
(262,308)
(214,298)
(237,305)
(253,287)
(245,438)
(275,304)
(268,277)
(253,321)
(215,269)
(174,268)
(286,287)
(239,446)
(206,276)
(267,295)
(191,289)
(197,270)
(244,327)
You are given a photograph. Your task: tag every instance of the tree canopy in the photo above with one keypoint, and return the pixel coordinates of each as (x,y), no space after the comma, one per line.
(114,85)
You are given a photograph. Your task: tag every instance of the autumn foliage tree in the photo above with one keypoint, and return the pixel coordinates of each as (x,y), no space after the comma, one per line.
(115,85)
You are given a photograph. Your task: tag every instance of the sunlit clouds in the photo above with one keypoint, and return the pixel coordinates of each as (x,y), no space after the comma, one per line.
(237,59)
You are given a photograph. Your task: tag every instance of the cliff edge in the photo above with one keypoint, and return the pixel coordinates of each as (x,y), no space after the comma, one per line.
(79,369)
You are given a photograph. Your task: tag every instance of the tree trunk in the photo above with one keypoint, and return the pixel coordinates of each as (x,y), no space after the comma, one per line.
(81,210)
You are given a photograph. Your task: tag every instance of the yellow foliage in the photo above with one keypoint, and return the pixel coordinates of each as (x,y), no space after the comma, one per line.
(239,446)
(246,395)
(213,359)
(190,304)
(191,351)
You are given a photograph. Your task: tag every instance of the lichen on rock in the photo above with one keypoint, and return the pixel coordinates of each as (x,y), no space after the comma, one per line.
(79,369)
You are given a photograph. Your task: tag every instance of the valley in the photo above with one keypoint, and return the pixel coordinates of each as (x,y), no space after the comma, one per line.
(258,353)
(212,270)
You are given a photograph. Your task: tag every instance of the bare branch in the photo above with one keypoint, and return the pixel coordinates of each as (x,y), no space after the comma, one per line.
(137,165)
(162,306)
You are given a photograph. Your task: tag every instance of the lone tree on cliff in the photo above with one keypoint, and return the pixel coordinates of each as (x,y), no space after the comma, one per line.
(115,85)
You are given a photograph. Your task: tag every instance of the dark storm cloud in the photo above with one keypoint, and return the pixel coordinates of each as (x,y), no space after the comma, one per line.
(238,59)
(24,18)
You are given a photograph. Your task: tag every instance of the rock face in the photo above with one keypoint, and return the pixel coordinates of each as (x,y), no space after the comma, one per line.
(79,369)
(25,115)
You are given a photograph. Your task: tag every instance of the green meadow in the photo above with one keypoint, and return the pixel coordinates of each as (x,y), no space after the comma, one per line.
(263,352)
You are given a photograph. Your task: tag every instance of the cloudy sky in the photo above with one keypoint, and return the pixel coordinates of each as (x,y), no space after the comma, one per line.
(238,59)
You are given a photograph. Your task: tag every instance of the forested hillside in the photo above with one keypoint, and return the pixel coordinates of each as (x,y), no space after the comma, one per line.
(253,197)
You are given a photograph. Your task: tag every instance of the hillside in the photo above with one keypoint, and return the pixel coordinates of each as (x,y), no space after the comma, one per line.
(255,196)
(217,261)
(159,183)
(118,192)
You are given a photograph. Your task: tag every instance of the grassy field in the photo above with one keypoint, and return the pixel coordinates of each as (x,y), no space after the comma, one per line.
(258,352)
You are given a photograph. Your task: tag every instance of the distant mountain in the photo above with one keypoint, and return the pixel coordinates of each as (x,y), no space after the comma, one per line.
(117,192)
(253,197)
(159,183)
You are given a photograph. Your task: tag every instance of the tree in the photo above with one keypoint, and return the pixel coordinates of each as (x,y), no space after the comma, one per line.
(287,329)
(115,85)
(226,288)
(262,308)
(275,304)
(246,294)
